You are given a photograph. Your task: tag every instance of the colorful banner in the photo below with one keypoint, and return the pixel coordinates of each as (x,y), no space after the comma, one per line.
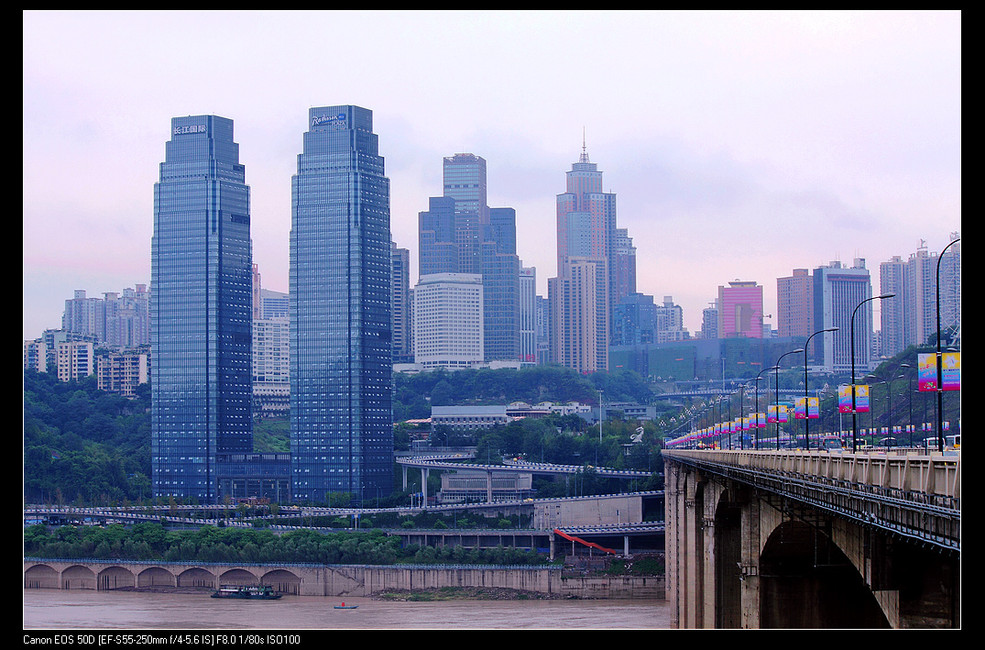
(759,420)
(806,407)
(861,398)
(845,399)
(927,371)
(777,413)
(951,370)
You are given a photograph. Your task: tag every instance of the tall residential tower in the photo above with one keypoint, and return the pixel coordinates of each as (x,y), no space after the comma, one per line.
(340,301)
(201,279)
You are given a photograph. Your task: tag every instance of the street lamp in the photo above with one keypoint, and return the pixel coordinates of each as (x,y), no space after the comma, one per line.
(758,379)
(940,370)
(807,410)
(851,345)
(776,376)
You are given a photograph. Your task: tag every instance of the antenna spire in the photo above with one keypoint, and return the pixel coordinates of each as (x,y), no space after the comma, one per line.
(584,153)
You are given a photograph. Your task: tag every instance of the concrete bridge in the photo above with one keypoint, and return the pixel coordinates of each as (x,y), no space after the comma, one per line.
(813,539)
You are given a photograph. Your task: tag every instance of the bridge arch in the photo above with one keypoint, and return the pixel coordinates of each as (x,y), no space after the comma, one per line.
(78,577)
(283,581)
(801,563)
(41,576)
(238,576)
(155,576)
(115,577)
(196,577)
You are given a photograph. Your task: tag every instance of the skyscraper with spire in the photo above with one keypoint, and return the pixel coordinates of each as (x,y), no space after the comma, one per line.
(581,294)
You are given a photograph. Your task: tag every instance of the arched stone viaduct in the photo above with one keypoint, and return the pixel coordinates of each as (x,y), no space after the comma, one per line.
(328,580)
(747,549)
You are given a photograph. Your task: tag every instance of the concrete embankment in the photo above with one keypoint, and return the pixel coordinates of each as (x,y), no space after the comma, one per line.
(335,580)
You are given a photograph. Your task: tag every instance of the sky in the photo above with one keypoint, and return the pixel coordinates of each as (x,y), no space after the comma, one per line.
(740,144)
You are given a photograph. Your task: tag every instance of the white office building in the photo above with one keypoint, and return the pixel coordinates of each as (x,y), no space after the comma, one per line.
(448,321)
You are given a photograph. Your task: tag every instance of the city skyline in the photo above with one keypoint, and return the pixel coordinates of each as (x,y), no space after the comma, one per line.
(777,121)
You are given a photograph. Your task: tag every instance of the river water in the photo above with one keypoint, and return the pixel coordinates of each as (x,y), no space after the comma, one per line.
(56,609)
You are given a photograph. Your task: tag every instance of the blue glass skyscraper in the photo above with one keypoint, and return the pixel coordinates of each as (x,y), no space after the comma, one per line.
(201,289)
(341,364)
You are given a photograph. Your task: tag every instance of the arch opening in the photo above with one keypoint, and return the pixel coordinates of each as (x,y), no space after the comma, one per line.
(806,581)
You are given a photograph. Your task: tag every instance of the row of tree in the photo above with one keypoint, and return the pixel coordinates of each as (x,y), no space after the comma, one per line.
(152,541)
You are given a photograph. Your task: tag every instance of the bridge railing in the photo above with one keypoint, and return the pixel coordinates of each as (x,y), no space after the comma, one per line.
(914,495)
(934,474)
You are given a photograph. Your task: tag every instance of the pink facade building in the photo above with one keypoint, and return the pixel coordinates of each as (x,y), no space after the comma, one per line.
(740,310)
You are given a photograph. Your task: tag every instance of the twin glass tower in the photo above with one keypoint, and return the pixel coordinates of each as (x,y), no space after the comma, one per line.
(201,279)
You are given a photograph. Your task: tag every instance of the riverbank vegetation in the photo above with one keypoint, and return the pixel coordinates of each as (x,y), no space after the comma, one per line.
(154,542)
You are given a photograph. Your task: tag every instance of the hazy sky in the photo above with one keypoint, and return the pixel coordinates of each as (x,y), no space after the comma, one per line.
(740,145)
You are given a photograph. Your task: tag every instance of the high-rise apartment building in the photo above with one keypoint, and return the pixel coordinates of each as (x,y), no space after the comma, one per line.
(35,355)
(581,294)
(118,321)
(794,304)
(75,360)
(892,315)
(838,290)
(460,233)
(911,318)
(122,372)
(340,322)
(201,309)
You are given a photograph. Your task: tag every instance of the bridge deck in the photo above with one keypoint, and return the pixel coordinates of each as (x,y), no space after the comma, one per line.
(914,495)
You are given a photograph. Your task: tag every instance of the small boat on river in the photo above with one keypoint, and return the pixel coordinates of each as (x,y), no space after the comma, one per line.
(248,592)
(344,606)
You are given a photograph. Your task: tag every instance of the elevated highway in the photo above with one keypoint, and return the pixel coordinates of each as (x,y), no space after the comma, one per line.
(465,462)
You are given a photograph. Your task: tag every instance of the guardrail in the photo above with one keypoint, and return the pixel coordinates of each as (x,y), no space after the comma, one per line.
(913,495)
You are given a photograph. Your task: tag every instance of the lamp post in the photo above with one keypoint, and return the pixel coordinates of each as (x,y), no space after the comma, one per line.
(776,376)
(807,409)
(851,345)
(759,377)
(940,370)
(872,402)
(601,417)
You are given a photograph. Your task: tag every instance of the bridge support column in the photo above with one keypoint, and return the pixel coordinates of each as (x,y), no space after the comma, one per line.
(686,542)
(749,566)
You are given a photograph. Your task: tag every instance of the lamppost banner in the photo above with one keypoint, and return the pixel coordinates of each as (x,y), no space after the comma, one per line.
(806,408)
(861,398)
(950,371)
